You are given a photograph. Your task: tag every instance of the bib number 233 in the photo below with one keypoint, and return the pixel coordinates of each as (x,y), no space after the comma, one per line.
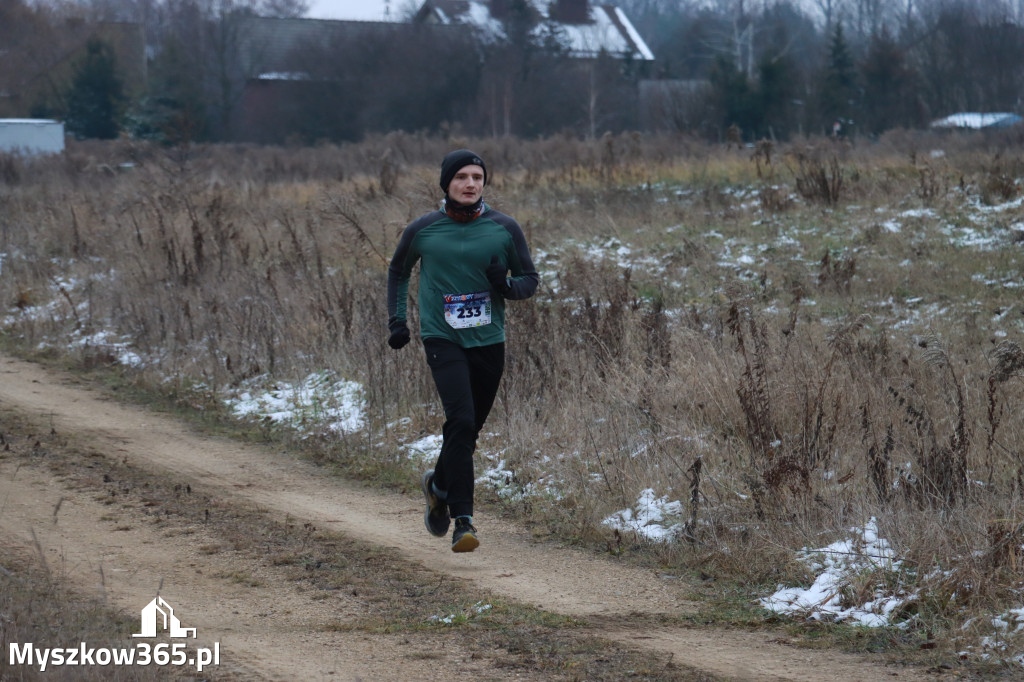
(464,311)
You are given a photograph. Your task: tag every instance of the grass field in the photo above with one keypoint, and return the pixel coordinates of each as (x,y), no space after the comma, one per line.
(736,358)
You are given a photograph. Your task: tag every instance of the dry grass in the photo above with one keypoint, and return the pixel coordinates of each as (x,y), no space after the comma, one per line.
(36,606)
(841,370)
(396,599)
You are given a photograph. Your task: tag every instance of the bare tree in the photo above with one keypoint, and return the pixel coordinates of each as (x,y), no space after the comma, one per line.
(20,55)
(37,43)
(739,42)
(868,17)
(830,12)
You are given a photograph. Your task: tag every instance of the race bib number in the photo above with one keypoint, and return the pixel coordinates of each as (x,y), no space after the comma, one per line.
(464,311)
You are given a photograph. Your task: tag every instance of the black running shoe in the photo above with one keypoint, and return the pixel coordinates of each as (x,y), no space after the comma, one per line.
(464,537)
(436,517)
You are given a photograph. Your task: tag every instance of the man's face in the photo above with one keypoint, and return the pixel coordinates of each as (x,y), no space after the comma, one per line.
(467,186)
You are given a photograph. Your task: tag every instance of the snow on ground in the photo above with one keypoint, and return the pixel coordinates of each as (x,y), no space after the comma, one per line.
(993,648)
(840,567)
(495,476)
(650,518)
(466,614)
(320,401)
(506,484)
(119,347)
(425,449)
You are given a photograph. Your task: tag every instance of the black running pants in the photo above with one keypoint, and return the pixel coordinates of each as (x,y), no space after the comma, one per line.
(467,382)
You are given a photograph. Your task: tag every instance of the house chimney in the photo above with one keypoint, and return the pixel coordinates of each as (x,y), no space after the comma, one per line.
(571,11)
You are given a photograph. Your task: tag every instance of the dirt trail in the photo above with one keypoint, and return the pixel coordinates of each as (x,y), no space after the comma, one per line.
(273,633)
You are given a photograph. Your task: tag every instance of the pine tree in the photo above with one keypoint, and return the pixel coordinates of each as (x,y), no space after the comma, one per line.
(96,100)
(837,96)
(735,98)
(174,110)
(889,87)
(777,79)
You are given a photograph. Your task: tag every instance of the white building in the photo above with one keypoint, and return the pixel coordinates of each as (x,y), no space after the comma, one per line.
(31,136)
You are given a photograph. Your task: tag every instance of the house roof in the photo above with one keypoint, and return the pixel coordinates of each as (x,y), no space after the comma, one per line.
(977,121)
(609,29)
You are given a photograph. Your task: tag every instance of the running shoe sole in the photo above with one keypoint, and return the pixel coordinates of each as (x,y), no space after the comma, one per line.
(467,543)
(437,525)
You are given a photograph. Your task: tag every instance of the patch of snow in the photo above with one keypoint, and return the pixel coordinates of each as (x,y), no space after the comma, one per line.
(650,517)
(426,449)
(841,565)
(319,401)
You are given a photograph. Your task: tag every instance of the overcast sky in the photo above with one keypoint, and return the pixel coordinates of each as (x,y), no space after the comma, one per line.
(366,10)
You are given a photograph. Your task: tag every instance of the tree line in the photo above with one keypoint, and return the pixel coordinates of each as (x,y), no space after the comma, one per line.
(782,68)
(765,68)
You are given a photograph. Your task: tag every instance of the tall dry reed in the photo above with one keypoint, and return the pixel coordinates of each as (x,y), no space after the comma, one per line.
(783,401)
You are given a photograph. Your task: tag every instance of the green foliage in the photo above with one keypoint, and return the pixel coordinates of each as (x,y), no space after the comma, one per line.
(760,107)
(777,88)
(96,100)
(734,95)
(175,108)
(838,88)
(889,83)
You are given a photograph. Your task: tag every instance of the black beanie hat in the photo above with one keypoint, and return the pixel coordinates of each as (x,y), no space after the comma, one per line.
(456,160)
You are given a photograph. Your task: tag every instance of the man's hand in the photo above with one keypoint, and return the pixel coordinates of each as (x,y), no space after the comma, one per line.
(399,334)
(496,276)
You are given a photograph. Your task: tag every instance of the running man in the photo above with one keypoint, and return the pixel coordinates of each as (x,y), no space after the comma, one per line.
(472,259)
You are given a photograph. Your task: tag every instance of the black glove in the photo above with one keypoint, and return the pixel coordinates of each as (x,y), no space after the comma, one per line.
(399,334)
(496,276)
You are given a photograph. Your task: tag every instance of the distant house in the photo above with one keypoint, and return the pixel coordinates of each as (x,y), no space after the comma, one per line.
(976,121)
(280,60)
(271,48)
(583,28)
(273,55)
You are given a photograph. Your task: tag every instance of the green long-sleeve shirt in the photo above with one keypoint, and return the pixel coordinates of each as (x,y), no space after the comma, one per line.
(456,301)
